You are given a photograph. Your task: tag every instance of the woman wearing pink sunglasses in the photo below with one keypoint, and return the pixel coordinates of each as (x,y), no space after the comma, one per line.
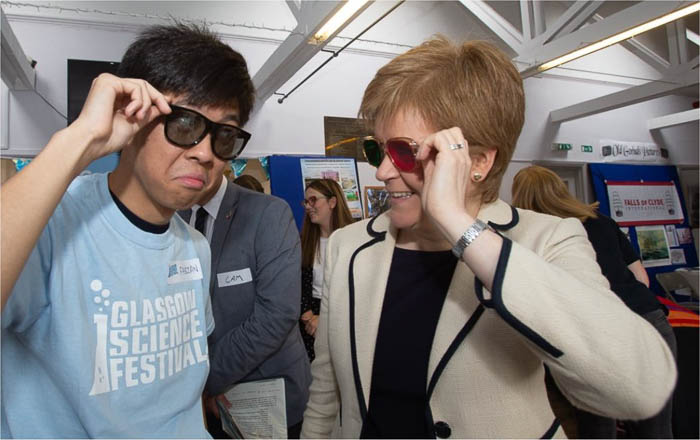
(439,316)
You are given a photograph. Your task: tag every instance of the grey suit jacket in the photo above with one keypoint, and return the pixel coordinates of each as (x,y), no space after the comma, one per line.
(256,295)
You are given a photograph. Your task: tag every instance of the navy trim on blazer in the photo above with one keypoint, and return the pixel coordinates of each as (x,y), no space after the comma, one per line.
(372,232)
(443,363)
(377,237)
(479,286)
(479,290)
(497,227)
(515,218)
(453,348)
(500,307)
(429,421)
(552,429)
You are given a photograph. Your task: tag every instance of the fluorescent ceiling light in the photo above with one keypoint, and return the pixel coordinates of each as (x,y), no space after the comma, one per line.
(692,36)
(675,15)
(338,19)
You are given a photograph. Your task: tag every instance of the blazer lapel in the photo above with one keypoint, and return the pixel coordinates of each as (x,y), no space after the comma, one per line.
(370,279)
(222,225)
(461,301)
(459,305)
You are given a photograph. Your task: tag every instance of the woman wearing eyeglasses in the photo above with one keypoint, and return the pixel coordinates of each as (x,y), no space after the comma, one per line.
(438,316)
(325,211)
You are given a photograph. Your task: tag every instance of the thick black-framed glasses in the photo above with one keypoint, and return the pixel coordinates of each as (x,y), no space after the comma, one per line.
(186,128)
(311,201)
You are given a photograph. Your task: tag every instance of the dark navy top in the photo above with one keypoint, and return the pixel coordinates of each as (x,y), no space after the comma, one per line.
(614,253)
(416,290)
(138,221)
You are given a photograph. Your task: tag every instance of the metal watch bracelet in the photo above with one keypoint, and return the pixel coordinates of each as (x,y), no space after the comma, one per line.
(468,237)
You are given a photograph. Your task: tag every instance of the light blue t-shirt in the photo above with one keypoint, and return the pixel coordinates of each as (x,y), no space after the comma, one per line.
(105,333)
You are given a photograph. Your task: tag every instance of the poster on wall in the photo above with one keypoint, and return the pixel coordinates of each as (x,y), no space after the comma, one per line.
(653,246)
(343,137)
(678,257)
(617,151)
(684,236)
(644,203)
(376,200)
(671,235)
(343,171)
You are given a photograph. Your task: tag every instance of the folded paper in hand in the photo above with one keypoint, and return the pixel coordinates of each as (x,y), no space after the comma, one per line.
(258,410)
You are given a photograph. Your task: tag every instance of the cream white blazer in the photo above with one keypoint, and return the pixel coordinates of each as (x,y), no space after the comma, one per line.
(550,304)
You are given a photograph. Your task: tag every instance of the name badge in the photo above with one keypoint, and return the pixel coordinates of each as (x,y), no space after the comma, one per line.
(184,270)
(234,277)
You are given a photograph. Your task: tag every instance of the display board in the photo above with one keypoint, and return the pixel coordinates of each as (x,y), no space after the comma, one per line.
(639,203)
(341,170)
(647,201)
(287,179)
(376,200)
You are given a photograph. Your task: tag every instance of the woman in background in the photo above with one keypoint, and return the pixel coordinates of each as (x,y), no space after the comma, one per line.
(541,190)
(325,211)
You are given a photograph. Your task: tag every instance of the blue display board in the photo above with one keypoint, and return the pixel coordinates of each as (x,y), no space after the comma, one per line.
(286,181)
(601,173)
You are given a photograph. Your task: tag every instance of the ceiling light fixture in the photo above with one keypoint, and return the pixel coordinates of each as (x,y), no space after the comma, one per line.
(337,20)
(675,15)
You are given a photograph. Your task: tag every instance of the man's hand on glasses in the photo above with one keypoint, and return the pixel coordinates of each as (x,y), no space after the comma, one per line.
(114,111)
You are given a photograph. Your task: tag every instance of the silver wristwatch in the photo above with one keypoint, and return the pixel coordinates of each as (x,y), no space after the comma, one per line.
(468,237)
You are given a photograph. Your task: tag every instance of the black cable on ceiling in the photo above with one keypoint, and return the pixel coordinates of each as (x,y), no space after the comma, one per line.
(335,54)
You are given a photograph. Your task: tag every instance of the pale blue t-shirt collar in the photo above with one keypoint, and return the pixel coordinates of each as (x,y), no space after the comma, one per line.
(123,225)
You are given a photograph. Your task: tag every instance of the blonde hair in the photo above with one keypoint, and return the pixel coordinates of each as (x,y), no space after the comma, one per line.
(311,232)
(542,190)
(473,86)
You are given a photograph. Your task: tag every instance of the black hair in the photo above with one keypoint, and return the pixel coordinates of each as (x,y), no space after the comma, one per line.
(190,60)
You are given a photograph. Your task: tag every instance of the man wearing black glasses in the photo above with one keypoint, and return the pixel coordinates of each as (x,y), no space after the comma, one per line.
(105,301)
(256,297)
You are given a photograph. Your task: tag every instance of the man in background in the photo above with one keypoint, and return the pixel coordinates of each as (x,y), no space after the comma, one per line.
(105,302)
(256,295)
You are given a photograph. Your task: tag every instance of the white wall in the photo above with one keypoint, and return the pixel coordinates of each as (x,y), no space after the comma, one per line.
(31,120)
(625,124)
(296,126)
(544,95)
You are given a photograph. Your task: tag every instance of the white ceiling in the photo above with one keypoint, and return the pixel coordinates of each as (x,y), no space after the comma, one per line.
(654,55)
(407,26)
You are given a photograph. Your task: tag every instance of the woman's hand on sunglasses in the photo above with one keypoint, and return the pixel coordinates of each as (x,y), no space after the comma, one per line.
(445,177)
(115,110)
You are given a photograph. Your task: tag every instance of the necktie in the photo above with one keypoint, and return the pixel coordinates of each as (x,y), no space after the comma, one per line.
(201,220)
